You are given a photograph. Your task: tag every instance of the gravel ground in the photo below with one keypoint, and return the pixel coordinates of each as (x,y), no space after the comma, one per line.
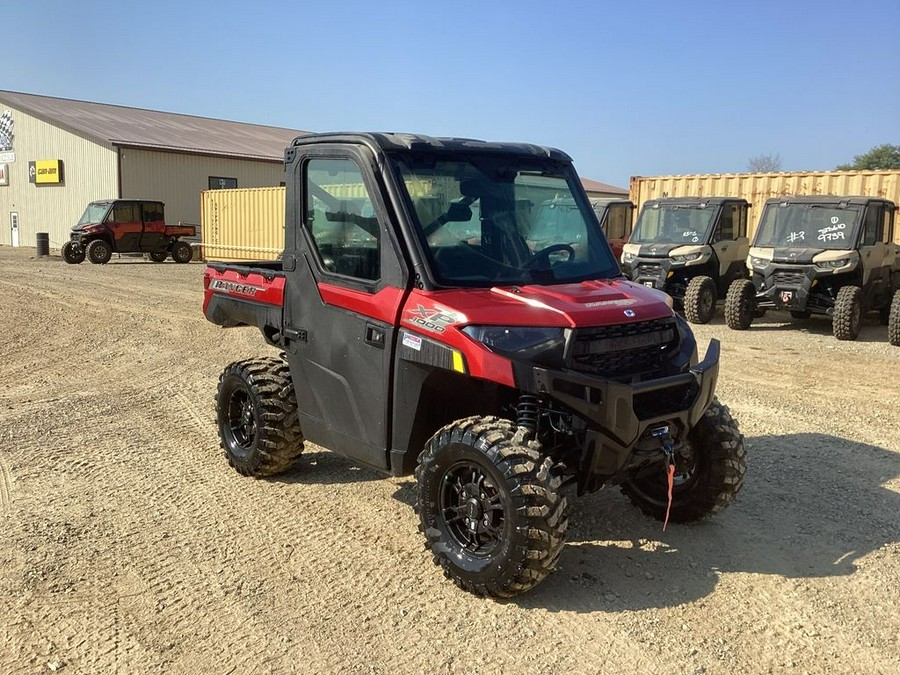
(130,546)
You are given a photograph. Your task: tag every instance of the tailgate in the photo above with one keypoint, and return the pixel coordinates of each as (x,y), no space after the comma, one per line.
(235,295)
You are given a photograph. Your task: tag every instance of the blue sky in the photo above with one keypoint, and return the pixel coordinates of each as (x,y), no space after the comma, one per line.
(627,88)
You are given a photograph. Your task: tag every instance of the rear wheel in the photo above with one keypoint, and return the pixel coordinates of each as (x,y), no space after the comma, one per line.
(256,412)
(847,313)
(894,321)
(490,507)
(740,304)
(99,252)
(158,256)
(700,300)
(709,469)
(181,252)
(72,253)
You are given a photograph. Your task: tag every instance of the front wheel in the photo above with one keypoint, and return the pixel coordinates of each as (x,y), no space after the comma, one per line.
(894,321)
(72,253)
(99,252)
(709,467)
(847,313)
(740,304)
(256,412)
(181,252)
(158,256)
(700,300)
(490,507)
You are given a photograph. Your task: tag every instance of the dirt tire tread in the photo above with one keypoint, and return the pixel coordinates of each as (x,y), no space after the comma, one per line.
(539,509)
(279,437)
(696,289)
(740,304)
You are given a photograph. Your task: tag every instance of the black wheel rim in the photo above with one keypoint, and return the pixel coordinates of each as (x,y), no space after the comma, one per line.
(241,421)
(472,509)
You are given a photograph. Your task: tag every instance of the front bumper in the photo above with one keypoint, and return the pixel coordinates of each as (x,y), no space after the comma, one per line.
(663,274)
(619,416)
(800,288)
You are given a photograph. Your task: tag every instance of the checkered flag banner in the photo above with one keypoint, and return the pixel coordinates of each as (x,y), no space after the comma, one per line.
(6,131)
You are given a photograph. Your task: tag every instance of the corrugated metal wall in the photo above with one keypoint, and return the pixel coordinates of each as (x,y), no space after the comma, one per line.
(756,188)
(178,179)
(89,173)
(243,224)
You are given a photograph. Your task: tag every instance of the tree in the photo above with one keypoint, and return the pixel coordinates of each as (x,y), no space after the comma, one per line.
(764,164)
(885,156)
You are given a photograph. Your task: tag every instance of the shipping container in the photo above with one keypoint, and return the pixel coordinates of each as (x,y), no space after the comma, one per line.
(756,188)
(242,224)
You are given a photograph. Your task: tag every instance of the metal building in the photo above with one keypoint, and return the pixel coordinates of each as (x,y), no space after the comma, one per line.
(57,155)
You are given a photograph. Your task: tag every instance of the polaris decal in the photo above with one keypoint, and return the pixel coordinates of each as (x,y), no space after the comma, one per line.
(430,318)
(234,287)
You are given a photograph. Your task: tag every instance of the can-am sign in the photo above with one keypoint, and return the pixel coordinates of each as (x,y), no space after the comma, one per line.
(45,171)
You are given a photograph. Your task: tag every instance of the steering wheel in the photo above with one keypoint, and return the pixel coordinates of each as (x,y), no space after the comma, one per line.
(545,253)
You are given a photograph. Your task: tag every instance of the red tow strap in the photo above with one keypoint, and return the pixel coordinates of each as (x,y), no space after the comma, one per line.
(670,479)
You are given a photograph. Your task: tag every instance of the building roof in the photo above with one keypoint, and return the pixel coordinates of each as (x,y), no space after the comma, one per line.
(597,186)
(173,132)
(139,128)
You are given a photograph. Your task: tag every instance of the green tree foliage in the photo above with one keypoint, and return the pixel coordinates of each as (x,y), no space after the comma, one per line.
(885,156)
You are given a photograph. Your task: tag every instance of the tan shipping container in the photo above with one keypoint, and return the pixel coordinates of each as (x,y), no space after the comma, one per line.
(242,224)
(248,223)
(756,188)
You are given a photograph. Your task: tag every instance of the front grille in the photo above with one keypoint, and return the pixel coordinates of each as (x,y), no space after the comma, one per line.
(788,278)
(649,269)
(627,352)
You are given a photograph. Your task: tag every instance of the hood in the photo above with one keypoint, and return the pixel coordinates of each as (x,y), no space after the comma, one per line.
(795,255)
(588,303)
(658,250)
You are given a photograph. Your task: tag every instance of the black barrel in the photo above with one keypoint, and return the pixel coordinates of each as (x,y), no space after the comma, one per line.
(43,243)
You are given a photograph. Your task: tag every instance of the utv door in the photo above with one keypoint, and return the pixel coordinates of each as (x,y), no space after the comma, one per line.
(342,297)
(730,244)
(125,226)
(153,230)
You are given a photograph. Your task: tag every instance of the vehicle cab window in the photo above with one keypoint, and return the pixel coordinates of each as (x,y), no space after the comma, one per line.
(124,213)
(874,225)
(887,232)
(728,223)
(341,219)
(617,222)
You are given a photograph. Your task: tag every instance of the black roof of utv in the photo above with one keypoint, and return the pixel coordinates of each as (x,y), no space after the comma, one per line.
(416,142)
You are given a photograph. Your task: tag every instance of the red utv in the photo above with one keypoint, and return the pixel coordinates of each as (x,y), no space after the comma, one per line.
(126,226)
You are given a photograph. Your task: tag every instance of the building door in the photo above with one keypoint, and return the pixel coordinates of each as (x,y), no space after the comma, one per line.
(14,228)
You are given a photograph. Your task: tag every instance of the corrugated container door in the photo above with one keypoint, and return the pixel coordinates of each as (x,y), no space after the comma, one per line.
(243,224)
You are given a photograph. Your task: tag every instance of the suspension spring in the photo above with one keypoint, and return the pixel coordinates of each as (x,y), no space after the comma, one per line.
(527,412)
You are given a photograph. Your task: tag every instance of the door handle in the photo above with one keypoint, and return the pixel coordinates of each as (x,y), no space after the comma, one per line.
(374,336)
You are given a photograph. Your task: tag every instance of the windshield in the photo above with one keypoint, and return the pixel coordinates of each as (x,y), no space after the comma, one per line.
(808,226)
(94,213)
(671,224)
(487,220)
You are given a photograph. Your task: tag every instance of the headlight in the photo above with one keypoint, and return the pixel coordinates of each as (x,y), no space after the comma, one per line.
(759,262)
(832,264)
(627,257)
(686,258)
(542,345)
